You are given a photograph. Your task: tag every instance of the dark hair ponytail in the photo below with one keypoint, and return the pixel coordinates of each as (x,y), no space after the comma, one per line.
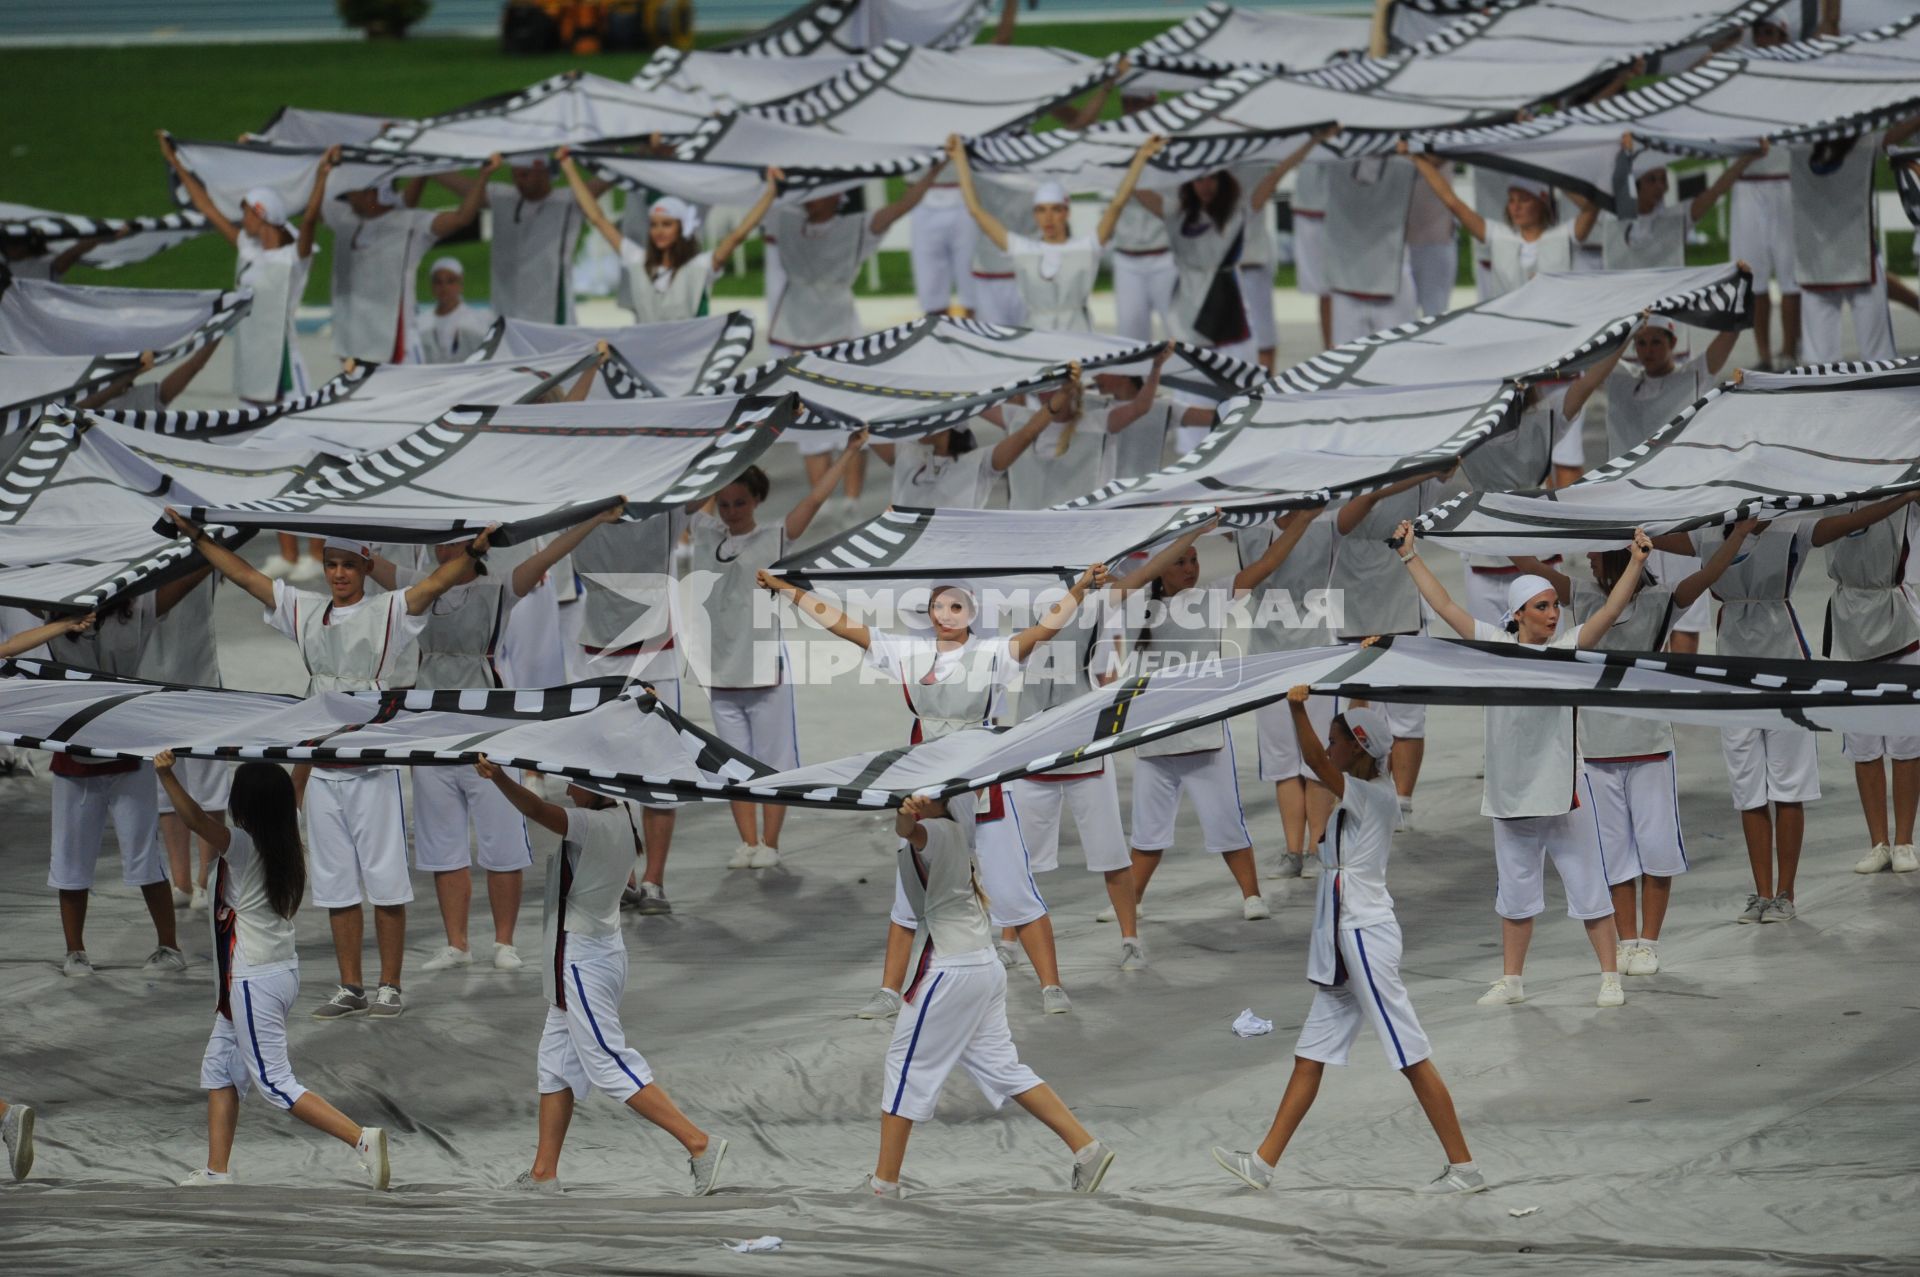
(262,805)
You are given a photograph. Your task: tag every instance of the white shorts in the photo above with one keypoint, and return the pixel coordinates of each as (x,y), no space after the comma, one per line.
(1256,286)
(445,800)
(1209,778)
(1095,803)
(1434,267)
(1355,317)
(940,243)
(1373,993)
(1760,232)
(758,721)
(81,806)
(251,1049)
(957,1017)
(356,837)
(1859,748)
(206,780)
(1770,765)
(531,651)
(1142,288)
(1280,744)
(997,299)
(583,1047)
(1570,446)
(1000,852)
(1408,721)
(1634,816)
(1310,253)
(1521,846)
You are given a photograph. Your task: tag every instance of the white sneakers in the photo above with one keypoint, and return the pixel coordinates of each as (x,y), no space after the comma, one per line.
(1905,859)
(1644,959)
(1133,954)
(765,857)
(204,1178)
(883,1005)
(1254,909)
(198,900)
(305,571)
(742,857)
(1054,1000)
(372,1148)
(706,1168)
(76,964)
(277,566)
(1611,994)
(164,961)
(1107,914)
(1405,820)
(506,958)
(16,1134)
(1901,859)
(448,959)
(1008,951)
(1457,1179)
(1502,992)
(1245,1167)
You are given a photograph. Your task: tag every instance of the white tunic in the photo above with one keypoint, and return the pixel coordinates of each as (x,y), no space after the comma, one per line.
(1648,241)
(1643,627)
(584,880)
(1871,615)
(453,337)
(266,357)
(1064,462)
(742,640)
(667,294)
(1531,760)
(947,688)
(371,645)
(1515,260)
(1379,594)
(1283,616)
(1056,280)
(1367,204)
(1200,249)
(375,260)
(626,569)
(532,254)
(460,643)
(184,647)
(1639,405)
(1834,239)
(922,478)
(821,260)
(1353,880)
(1756,615)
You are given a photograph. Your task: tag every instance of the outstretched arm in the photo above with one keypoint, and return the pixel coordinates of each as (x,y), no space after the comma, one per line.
(541,561)
(1591,380)
(1700,582)
(1163,559)
(738,235)
(168,596)
(458,219)
(1429,585)
(1061,403)
(893,212)
(1721,185)
(1122,415)
(802,515)
(421,595)
(1152,201)
(316,198)
(1009,15)
(1110,218)
(196,192)
(1361,505)
(1462,211)
(1078,117)
(1835,526)
(1600,622)
(1589,214)
(822,613)
(1057,616)
(1263,190)
(1276,553)
(210,831)
(27,640)
(1312,752)
(990,226)
(589,205)
(549,816)
(225,561)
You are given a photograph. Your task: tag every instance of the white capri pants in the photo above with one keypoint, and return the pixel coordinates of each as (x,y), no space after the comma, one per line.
(1820,310)
(1434,267)
(1635,809)
(1095,804)
(250,1050)
(1760,232)
(1859,748)
(1770,765)
(1142,288)
(1374,994)
(1000,852)
(958,1018)
(940,243)
(356,837)
(206,780)
(445,799)
(1310,253)
(1355,316)
(81,806)
(1205,775)
(1280,745)
(1256,285)
(583,1047)
(758,721)
(1521,846)
(997,299)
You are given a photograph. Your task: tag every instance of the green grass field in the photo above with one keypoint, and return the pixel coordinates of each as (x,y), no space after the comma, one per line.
(92,149)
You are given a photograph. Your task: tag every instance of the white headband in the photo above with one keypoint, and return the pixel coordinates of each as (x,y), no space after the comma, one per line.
(1050,193)
(1371,730)
(447,263)
(350,545)
(680,211)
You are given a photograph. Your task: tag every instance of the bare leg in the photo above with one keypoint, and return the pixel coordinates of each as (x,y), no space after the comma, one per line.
(1326,321)
(1437,1103)
(653,1103)
(1790,327)
(223,1118)
(1654,894)
(656,830)
(73,918)
(1291,797)
(454,888)
(1120,892)
(289,549)
(1565,476)
(1606,943)
(1684,642)
(1757,826)
(1043,1103)
(1036,938)
(159,898)
(1871,780)
(853,482)
(893,1147)
(1625,901)
(322,1116)
(1245,876)
(178,840)
(503,898)
(1515,935)
(1144,863)
(349,933)
(899,949)
(773,818)
(744,817)
(390,937)
(556,1114)
(1789,829)
(1906,798)
(1407,755)
(1762,333)
(1294,1103)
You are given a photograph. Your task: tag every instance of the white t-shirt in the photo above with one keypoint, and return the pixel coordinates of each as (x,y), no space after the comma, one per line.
(938,883)
(920,478)
(1363,839)
(1531,760)
(452,337)
(263,941)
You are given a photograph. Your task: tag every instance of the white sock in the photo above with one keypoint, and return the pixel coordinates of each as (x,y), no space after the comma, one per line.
(1513,981)
(1651,946)
(1609,977)
(1261,1162)
(882,1185)
(212,1174)
(1463,1166)
(1084,1156)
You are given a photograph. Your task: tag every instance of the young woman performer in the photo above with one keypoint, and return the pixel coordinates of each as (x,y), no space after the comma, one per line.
(1529,242)
(953,681)
(1142,268)
(1054,272)
(745,671)
(1531,778)
(351,642)
(946,468)
(1871,617)
(1356,939)
(585,971)
(459,648)
(1199,761)
(958,1002)
(256,891)
(668,276)
(1116,430)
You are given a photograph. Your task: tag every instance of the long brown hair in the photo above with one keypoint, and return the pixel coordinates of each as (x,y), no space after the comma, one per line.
(262,805)
(1219,210)
(678,253)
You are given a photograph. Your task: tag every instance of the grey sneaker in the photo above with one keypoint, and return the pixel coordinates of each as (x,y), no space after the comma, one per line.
(77,963)
(1087,1175)
(1289,865)
(883,1005)
(165,961)
(204,1178)
(706,1167)
(344,1002)
(1452,1179)
(1780,909)
(386,1002)
(1008,951)
(871,1187)
(1756,910)
(653,900)
(630,897)
(1133,954)
(1244,1168)
(1054,1000)
(16,1132)
(372,1149)
(526,1183)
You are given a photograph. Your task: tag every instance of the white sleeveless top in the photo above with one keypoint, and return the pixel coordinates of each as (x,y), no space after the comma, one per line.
(948,689)
(532,254)
(1056,280)
(369,646)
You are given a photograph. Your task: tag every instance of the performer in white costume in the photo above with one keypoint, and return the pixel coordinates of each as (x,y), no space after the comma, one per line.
(450,330)
(533,232)
(1529,242)
(1656,233)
